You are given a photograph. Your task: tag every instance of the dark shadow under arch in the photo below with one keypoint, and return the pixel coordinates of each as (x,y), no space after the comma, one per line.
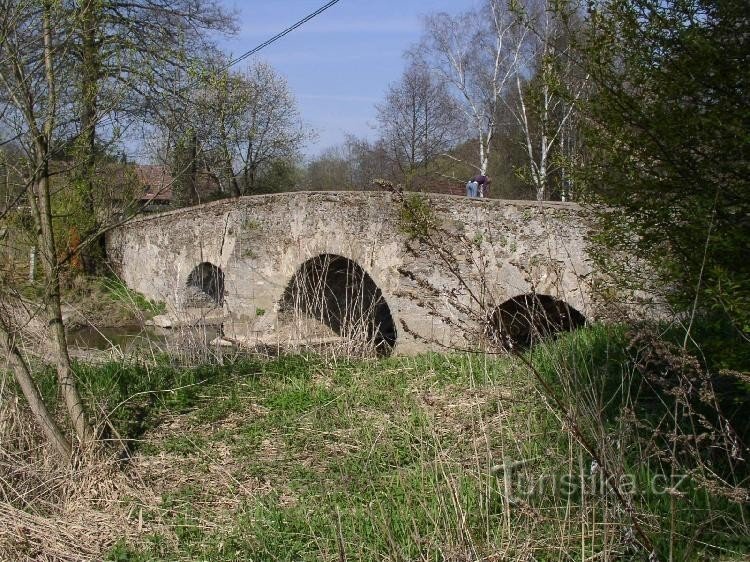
(339,293)
(524,320)
(207,284)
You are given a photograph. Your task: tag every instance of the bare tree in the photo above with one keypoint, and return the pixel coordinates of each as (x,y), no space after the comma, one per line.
(125,54)
(33,78)
(544,104)
(64,66)
(331,170)
(418,121)
(186,124)
(351,166)
(478,54)
(369,161)
(247,121)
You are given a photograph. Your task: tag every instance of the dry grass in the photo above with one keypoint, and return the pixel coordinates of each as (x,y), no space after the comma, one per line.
(54,511)
(314,458)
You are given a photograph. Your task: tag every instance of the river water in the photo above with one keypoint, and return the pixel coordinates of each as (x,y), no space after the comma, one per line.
(135,337)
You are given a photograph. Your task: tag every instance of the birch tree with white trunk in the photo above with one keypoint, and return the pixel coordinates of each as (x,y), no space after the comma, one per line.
(548,90)
(477,54)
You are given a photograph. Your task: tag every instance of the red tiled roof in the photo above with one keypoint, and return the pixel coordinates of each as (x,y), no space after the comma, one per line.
(157,182)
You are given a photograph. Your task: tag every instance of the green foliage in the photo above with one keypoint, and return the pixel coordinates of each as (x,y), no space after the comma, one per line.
(32,291)
(667,417)
(280,175)
(581,352)
(250,224)
(118,291)
(83,196)
(416,217)
(132,395)
(399,458)
(669,144)
(20,222)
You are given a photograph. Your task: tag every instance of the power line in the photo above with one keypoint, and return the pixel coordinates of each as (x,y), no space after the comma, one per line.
(280,35)
(233,62)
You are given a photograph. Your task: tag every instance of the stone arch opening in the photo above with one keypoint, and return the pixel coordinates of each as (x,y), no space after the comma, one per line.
(339,293)
(524,320)
(205,285)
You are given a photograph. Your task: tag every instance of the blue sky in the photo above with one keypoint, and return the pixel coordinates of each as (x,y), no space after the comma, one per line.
(340,63)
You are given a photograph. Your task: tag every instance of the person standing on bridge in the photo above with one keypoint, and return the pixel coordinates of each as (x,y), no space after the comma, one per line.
(484,184)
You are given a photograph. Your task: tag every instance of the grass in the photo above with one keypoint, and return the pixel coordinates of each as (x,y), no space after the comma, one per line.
(303,458)
(398,459)
(309,456)
(99,301)
(118,291)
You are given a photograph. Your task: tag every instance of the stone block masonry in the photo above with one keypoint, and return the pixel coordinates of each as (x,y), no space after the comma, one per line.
(273,253)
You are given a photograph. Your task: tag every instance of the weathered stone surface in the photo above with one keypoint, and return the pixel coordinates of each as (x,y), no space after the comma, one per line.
(502,249)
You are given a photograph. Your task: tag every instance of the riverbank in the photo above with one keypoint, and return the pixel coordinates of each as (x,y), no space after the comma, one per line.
(104,302)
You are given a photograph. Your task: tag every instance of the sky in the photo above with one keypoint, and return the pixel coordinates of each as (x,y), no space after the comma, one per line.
(340,63)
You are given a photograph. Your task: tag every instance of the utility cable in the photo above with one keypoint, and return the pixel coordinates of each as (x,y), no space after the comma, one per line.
(280,35)
(232,62)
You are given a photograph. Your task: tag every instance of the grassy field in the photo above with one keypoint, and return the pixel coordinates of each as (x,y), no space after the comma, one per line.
(438,457)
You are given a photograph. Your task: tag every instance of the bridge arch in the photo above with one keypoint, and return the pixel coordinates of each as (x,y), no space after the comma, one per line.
(524,320)
(340,294)
(205,285)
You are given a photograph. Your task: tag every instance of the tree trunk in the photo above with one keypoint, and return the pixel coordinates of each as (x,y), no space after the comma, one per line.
(65,375)
(185,171)
(24,379)
(483,156)
(235,185)
(42,211)
(194,196)
(93,254)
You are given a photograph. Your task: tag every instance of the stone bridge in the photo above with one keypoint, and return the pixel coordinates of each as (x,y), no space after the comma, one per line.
(405,273)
